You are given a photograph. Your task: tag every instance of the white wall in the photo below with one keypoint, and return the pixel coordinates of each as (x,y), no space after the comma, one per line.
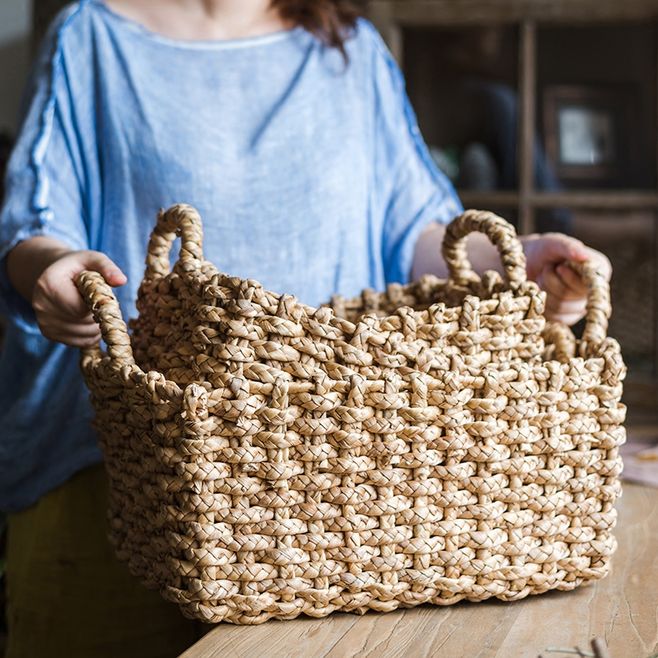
(15,24)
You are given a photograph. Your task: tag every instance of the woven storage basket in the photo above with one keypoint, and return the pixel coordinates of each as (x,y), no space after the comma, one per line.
(432,443)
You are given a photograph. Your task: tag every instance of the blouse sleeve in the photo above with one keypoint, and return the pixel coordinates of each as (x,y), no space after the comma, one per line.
(413,191)
(44,180)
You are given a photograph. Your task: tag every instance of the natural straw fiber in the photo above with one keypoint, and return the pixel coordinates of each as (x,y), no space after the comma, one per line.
(433,443)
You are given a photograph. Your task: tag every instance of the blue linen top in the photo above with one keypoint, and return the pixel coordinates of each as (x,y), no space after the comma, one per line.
(310,174)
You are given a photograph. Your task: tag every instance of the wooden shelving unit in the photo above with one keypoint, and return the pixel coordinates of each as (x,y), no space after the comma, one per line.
(623,200)
(392,17)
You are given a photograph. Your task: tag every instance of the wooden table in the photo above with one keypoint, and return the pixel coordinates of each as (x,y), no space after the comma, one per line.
(622,609)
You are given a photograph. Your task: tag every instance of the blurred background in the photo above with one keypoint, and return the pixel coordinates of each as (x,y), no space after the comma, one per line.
(542,110)
(15,48)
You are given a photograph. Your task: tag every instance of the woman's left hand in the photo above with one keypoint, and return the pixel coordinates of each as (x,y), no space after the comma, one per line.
(547,255)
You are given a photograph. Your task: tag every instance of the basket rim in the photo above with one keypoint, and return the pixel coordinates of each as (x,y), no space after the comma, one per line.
(499,291)
(608,349)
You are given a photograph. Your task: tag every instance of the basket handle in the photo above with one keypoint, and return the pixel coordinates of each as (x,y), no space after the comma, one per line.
(179,220)
(599,308)
(500,232)
(104,307)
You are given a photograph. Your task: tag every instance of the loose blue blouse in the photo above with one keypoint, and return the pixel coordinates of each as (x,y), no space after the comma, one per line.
(309,172)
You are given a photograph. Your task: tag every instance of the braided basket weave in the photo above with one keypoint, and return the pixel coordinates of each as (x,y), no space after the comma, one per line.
(433,443)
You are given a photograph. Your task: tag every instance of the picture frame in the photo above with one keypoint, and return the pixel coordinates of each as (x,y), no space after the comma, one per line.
(587,133)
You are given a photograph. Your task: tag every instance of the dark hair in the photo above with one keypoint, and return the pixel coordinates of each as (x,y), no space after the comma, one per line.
(332,21)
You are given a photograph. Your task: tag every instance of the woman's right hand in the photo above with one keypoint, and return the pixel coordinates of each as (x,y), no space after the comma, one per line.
(61,312)
(45,273)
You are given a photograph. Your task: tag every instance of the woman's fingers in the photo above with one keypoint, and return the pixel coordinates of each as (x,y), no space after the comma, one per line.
(57,332)
(569,320)
(88,319)
(601,262)
(567,312)
(77,341)
(61,312)
(566,299)
(558,247)
(549,249)
(74,334)
(74,340)
(101,263)
(56,292)
(566,307)
(571,280)
(561,288)
(47,309)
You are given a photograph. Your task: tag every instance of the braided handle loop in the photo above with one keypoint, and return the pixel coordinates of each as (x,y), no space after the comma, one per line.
(179,220)
(598,302)
(501,234)
(104,307)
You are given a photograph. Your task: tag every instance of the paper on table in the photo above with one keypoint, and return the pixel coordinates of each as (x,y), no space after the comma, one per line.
(640,460)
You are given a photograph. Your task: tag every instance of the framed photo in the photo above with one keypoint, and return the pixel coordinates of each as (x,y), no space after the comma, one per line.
(587,132)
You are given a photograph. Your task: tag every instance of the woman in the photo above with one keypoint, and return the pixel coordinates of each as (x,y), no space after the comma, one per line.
(287,125)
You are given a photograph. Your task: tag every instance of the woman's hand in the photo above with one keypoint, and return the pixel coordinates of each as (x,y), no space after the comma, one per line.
(60,310)
(44,271)
(546,257)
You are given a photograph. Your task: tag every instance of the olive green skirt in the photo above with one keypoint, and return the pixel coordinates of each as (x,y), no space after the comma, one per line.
(68,595)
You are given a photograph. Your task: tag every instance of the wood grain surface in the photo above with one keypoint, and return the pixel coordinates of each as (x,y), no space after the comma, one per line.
(622,609)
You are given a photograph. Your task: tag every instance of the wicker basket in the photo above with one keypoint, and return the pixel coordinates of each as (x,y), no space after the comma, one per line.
(433,443)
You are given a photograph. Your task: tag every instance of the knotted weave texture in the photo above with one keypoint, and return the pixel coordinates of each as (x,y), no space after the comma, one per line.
(436,442)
